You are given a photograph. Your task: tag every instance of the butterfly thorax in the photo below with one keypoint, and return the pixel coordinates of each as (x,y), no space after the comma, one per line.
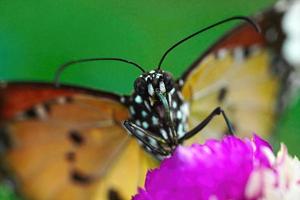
(158,108)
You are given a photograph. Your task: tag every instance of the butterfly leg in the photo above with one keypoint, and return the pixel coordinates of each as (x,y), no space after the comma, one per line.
(142,134)
(217,111)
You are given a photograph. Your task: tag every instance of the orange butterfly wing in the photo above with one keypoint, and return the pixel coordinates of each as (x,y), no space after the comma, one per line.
(238,74)
(68,143)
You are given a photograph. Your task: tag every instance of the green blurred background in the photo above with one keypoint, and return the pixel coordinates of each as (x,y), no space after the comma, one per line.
(37,36)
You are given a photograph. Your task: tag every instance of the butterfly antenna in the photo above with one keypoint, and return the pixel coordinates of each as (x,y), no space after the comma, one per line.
(65,65)
(247,19)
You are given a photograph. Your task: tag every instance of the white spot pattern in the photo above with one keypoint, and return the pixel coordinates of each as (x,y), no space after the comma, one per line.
(162,87)
(145,125)
(144,113)
(154,120)
(138,99)
(174,104)
(122,99)
(150,90)
(238,54)
(164,134)
(131,110)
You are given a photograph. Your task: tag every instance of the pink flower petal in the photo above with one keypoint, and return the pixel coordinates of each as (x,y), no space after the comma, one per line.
(215,170)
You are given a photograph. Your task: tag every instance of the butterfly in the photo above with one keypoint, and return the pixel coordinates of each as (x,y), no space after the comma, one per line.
(66,142)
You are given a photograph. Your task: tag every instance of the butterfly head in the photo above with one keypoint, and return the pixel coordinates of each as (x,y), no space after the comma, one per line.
(151,84)
(158,109)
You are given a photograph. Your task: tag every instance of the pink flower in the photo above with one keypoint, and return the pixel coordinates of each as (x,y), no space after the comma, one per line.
(231,169)
(281,182)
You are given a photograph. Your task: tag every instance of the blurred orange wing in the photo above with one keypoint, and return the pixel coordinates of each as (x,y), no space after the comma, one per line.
(239,73)
(68,143)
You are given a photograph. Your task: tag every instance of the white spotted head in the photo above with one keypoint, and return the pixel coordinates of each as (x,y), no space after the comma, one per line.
(155,80)
(146,90)
(157,107)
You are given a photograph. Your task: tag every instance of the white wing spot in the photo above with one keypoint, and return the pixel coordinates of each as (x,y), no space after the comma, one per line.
(41,112)
(254,50)
(221,54)
(122,99)
(238,54)
(61,100)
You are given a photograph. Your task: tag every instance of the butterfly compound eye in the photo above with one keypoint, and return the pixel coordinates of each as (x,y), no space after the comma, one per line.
(140,86)
(169,82)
